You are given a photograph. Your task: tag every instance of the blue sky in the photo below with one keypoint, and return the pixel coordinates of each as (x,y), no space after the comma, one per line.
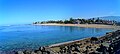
(28,11)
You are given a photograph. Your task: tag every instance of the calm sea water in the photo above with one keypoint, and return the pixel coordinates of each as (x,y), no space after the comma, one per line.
(19,37)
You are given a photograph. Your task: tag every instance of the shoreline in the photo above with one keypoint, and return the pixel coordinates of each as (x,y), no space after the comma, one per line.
(65,43)
(56,48)
(84,25)
(79,25)
(107,43)
(72,41)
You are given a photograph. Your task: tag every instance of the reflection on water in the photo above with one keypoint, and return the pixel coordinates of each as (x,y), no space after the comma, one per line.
(31,37)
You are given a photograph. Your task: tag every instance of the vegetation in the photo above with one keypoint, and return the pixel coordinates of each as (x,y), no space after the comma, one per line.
(118,23)
(80,21)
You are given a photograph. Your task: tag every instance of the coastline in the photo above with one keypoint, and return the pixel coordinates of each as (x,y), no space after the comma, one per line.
(79,25)
(55,48)
(73,41)
(84,25)
(107,43)
(65,43)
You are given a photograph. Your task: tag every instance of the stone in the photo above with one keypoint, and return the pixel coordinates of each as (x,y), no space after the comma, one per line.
(27,52)
(20,52)
(39,52)
(33,52)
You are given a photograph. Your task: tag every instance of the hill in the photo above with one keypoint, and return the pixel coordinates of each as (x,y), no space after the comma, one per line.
(115,18)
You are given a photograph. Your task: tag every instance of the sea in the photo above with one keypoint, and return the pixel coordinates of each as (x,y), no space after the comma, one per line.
(23,37)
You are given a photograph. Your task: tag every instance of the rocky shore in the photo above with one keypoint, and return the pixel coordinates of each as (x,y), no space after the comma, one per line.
(107,44)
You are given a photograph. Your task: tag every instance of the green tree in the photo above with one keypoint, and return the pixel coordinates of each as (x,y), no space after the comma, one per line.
(71,20)
(66,21)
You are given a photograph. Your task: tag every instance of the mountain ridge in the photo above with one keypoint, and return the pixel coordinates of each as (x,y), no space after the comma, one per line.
(115,18)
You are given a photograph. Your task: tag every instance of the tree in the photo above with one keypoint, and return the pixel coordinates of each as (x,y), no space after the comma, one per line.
(83,21)
(35,23)
(71,20)
(66,21)
(98,20)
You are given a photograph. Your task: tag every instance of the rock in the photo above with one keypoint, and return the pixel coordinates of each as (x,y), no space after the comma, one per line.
(20,52)
(39,52)
(36,51)
(47,52)
(33,52)
(44,53)
(94,39)
(40,48)
(27,52)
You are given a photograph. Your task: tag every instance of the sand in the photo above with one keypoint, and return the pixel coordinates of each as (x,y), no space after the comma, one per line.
(85,25)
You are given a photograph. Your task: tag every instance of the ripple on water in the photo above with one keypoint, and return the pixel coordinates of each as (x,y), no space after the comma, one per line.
(31,37)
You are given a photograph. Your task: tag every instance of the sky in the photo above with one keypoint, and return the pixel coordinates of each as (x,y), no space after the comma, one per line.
(28,11)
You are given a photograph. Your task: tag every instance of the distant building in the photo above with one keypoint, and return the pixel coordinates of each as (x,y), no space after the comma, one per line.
(76,21)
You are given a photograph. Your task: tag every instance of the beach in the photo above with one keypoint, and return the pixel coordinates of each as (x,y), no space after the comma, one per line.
(84,25)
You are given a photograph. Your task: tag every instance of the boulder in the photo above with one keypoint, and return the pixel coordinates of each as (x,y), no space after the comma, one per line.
(39,52)
(20,52)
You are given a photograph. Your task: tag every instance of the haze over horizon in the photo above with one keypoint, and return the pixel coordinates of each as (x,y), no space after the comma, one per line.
(28,11)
